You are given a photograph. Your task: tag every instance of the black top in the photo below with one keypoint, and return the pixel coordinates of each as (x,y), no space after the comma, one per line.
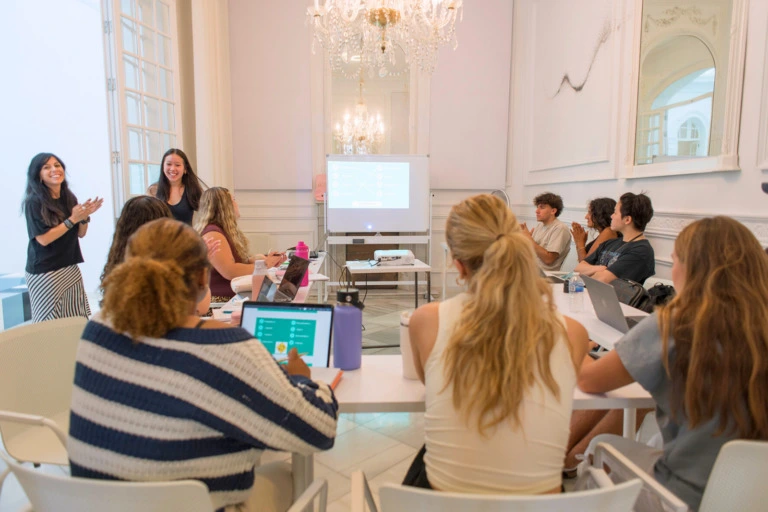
(625,260)
(589,245)
(182,211)
(62,252)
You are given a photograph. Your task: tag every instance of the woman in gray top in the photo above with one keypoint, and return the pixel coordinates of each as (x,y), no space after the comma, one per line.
(703,357)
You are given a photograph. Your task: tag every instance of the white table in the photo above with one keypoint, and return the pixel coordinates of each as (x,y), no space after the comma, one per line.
(379,386)
(599,332)
(370,267)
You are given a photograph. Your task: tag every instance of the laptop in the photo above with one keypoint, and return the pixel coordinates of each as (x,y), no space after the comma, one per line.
(289,285)
(607,305)
(550,279)
(281,327)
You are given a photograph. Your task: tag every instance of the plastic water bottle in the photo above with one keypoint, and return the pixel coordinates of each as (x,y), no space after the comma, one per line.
(302,251)
(576,294)
(347,330)
(259,273)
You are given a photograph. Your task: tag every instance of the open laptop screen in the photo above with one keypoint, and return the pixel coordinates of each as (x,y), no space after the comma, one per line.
(281,327)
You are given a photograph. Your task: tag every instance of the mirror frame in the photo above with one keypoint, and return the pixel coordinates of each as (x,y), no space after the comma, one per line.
(728,159)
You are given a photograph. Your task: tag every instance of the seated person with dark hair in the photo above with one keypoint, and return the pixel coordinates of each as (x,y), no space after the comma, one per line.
(630,257)
(551,238)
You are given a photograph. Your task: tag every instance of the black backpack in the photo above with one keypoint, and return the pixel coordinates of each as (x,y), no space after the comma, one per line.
(660,294)
(633,294)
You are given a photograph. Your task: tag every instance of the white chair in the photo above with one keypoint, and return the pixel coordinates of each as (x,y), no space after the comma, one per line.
(37,367)
(54,493)
(621,469)
(737,481)
(571,260)
(607,497)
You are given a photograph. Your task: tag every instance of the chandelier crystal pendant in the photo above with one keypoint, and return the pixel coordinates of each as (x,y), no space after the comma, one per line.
(371,30)
(362,134)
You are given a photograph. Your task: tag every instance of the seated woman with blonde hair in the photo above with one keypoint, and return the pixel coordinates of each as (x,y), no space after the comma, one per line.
(703,357)
(499,363)
(161,395)
(216,220)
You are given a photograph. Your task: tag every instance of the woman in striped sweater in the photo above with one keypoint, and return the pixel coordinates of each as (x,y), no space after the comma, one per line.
(161,395)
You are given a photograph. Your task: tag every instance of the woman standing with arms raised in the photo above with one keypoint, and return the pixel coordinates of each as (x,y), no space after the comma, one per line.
(55,222)
(499,364)
(178,186)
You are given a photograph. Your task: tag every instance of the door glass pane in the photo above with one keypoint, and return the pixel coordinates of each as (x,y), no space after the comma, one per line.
(145,12)
(149,78)
(134,144)
(127,7)
(131,66)
(169,141)
(153,173)
(151,113)
(166,83)
(147,44)
(154,151)
(136,178)
(133,108)
(130,43)
(164,51)
(169,122)
(163,18)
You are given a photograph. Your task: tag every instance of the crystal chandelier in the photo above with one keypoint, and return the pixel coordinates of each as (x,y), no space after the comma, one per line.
(362,134)
(371,30)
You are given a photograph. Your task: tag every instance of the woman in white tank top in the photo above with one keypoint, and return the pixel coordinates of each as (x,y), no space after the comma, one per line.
(499,364)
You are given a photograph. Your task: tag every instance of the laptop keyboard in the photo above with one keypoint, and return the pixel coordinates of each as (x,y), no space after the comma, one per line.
(633,320)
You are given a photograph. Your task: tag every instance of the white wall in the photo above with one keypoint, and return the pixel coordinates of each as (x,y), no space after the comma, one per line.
(53,99)
(270,67)
(485,122)
(677,200)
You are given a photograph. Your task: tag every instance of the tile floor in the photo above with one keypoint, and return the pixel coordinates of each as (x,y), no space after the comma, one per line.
(382,445)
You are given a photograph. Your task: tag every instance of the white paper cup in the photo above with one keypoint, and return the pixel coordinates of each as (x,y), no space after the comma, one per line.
(409,369)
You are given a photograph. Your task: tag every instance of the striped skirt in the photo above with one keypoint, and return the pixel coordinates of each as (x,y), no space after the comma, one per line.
(57,294)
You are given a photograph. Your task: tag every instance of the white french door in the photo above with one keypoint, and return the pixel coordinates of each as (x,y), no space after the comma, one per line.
(143,90)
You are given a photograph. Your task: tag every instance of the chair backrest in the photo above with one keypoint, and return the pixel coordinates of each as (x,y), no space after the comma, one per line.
(37,368)
(621,469)
(737,481)
(571,260)
(49,493)
(618,498)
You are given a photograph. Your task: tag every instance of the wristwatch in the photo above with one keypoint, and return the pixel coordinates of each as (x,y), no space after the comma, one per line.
(68,223)
(85,220)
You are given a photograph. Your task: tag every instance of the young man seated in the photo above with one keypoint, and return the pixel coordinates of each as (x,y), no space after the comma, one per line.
(551,238)
(631,256)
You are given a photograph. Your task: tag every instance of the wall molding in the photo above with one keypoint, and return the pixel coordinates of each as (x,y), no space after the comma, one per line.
(601,162)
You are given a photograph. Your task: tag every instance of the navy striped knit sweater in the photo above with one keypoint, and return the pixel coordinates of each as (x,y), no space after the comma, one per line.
(198,403)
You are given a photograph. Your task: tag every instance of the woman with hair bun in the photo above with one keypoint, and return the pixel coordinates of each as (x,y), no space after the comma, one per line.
(499,364)
(161,395)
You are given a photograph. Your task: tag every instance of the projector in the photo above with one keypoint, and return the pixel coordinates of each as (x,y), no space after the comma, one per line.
(394,257)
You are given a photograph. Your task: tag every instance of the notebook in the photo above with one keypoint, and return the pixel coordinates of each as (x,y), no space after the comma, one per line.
(281,327)
(288,287)
(607,306)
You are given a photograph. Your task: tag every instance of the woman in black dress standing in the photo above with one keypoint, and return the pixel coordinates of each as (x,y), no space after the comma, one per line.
(55,223)
(179,186)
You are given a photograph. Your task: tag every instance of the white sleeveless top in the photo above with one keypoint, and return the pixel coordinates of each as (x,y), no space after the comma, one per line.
(524,460)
